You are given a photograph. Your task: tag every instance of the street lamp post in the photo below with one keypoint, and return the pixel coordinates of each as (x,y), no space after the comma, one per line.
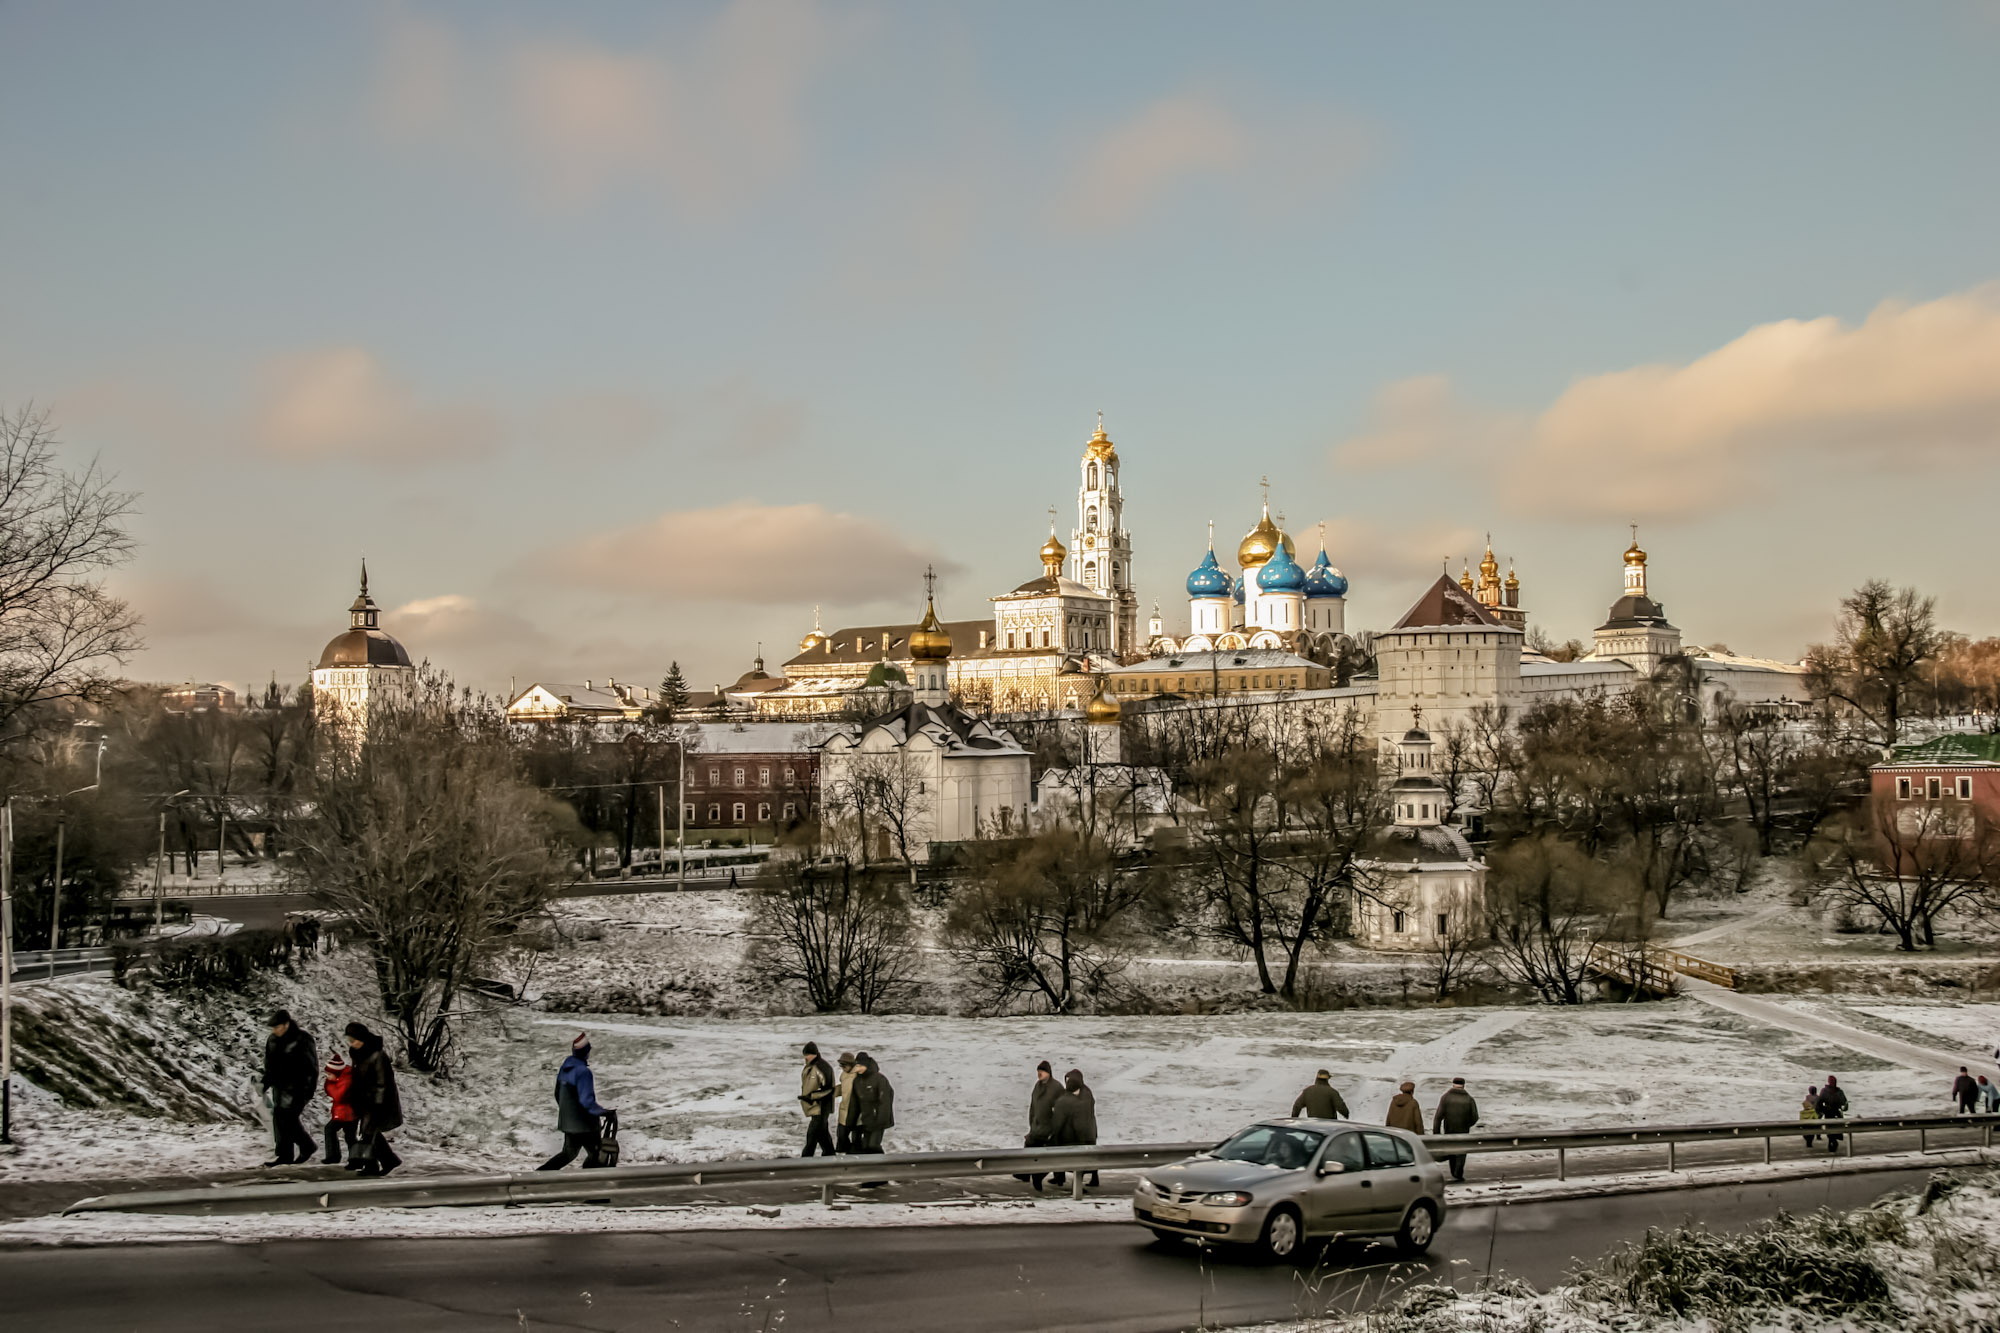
(55,889)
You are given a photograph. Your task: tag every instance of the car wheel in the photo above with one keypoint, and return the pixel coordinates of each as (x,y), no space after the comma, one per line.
(1418,1230)
(1283,1235)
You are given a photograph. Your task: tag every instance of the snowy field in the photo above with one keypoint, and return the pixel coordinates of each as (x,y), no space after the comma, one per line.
(698,1088)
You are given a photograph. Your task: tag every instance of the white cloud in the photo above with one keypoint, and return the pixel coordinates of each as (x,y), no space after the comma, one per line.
(1264,157)
(342,403)
(1912,386)
(749,552)
(710,120)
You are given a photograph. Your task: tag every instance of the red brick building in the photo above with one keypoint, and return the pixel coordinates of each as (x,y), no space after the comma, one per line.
(1946,787)
(750,775)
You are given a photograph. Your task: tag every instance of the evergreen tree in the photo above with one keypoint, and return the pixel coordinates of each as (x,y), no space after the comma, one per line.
(673,692)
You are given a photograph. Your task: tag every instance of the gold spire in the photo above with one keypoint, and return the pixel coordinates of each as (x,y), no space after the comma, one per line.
(928,641)
(1633,555)
(1465,576)
(1513,579)
(1489,568)
(1262,541)
(1100,445)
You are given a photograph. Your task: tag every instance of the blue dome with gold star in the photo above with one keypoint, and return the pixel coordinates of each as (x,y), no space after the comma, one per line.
(1208,580)
(1323,580)
(1281,573)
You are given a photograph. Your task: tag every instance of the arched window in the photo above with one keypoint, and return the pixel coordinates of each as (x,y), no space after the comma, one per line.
(1091,484)
(1090,519)
(1090,571)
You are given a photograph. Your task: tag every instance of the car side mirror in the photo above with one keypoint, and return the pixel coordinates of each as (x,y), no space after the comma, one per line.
(1332,1168)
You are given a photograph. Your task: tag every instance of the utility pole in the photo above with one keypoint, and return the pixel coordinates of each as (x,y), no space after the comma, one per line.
(663,830)
(55,899)
(681,817)
(7,972)
(159,921)
(221,847)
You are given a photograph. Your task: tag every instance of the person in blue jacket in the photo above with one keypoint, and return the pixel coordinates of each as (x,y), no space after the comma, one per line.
(578,1115)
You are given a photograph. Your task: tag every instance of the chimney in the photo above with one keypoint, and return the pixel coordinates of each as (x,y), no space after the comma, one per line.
(587,685)
(982,638)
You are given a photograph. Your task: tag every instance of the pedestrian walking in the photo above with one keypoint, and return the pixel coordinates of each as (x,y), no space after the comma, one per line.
(1809,1110)
(377,1108)
(843,1128)
(1831,1103)
(817,1089)
(1321,1100)
(874,1104)
(339,1109)
(1041,1116)
(578,1116)
(1073,1121)
(1404,1113)
(1456,1113)
(1965,1091)
(1989,1096)
(291,1072)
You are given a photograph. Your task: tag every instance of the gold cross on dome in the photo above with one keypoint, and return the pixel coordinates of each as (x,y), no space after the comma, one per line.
(1052,520)
(930,582)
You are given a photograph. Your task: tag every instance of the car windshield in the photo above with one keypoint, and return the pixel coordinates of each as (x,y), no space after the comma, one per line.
(1272,1145)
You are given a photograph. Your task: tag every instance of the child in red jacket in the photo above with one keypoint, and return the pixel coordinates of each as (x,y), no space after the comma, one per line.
(340,1112)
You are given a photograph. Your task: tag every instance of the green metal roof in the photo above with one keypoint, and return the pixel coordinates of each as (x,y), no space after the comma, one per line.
(1967,748)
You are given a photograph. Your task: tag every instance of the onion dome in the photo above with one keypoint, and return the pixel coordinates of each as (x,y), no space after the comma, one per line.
(1102,708)
(1281,573)
(1323,580)
(1053,554)
(1099,446)
(1208,580)
(1465,578)
(883,674)
(929,642)
(815,638)
(1489,568)
(365,642)
(1633,555)
(1261,540)
(1513,579)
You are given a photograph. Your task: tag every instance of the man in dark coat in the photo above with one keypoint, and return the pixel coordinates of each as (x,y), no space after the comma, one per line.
(817,1089)
(1456,1113)
(291,1073)
(1321,1101)
(1832,1105)
(1965,1091)
(1073,1121)
(1041,1115)
(874,1104)
(578,1116)
(377,1108)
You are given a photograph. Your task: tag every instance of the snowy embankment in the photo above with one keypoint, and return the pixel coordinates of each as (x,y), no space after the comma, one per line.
(165,1087)
(1923,1263)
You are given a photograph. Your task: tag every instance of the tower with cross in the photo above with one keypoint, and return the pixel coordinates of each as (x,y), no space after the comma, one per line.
(1100,551)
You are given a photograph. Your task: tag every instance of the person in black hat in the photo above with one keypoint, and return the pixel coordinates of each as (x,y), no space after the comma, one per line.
(817,1089)
(1456,1113)
(1041,1114)
(291,1073)
(1321,1100)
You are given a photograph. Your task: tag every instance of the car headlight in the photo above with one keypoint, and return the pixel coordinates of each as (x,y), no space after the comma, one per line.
(1147,1187)
(1226,1199)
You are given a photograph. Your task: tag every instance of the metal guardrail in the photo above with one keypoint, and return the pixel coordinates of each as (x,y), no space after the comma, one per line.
(530,1187)
(1563,1141)
(536,1187)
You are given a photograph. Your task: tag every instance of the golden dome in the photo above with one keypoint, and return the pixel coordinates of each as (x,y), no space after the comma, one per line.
(1102,708)
(1489,568)
(1261,542)
(928,641)
(1513,579)
(1633,555)
(1099,445)
(1053,554)
(1465,578)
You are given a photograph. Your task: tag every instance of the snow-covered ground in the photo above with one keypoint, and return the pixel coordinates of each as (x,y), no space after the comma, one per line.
(697,1088)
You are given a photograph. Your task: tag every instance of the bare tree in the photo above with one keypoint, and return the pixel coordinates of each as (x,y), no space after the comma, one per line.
(1549,904)
(1884,637)
(888,794)
(1236,849)
(1454,955)
(1337,806)
(1037,918)
(1909,863)
(425,836)
(61,633)
(841,932)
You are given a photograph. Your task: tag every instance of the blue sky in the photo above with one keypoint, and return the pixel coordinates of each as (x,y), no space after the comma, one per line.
(615,334)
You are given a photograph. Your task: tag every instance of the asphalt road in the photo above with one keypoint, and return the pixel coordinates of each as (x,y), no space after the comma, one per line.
(945,1279)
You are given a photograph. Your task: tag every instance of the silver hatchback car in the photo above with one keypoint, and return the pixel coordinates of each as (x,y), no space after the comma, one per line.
(1279,1183)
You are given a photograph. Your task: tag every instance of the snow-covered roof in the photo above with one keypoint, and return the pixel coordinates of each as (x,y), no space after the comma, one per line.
(1256,659)
(1435,846)
(1586,666)
(707,738)
(945,726)
(573,698)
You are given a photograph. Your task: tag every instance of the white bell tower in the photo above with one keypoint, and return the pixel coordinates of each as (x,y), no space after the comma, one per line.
(1100,553)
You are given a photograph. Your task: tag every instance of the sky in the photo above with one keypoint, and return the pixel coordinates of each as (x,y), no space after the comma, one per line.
(613,335)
